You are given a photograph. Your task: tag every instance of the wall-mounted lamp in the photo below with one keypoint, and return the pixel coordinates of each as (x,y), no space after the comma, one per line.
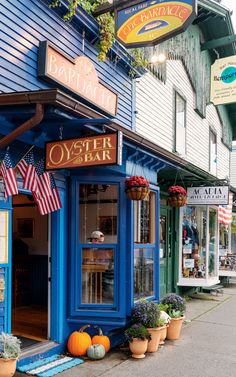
(158,59)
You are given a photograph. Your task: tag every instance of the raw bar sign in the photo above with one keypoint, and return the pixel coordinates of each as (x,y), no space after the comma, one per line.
(151,22)
(223,81)
(208,195)
(105,149)
(78,75)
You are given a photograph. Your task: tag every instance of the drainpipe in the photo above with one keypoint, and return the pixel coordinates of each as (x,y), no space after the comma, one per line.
(30,123)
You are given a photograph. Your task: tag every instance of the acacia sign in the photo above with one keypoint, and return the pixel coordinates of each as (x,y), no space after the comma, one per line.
(105,149)
(78,75)
(145,23)
(215,195)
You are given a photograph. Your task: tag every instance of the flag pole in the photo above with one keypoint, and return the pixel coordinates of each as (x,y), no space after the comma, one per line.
(32,146)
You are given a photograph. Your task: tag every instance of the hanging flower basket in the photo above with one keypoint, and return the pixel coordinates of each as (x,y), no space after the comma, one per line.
(137,187)
(177,196)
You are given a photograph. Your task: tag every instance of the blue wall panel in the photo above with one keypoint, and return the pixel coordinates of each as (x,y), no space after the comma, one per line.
(23,25)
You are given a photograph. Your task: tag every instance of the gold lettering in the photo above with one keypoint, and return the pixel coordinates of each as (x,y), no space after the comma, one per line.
(86,144)
(68,150)
(60,152)
(88,157)
(107,142)
(78,145)
(106,155)
(97,157)
(97,143)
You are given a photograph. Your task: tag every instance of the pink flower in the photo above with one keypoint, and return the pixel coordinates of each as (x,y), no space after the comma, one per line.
(177,190)
(136,180)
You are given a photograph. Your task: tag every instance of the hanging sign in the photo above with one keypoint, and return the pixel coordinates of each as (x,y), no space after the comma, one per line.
(104,149)
(223,81)
(77,75)
(150,22)
(208,195)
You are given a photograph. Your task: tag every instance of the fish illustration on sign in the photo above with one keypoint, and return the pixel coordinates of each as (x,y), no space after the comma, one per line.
(153,25)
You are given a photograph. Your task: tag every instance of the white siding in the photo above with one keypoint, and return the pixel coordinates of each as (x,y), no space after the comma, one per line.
(233,168)
(155,113)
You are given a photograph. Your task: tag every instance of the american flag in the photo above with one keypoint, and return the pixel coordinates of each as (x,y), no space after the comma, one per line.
(9,176)
(43,180)
(49,203)
(27,170)
(225,212)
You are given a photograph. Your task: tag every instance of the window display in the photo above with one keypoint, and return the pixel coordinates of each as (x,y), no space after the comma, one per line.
(227,248)
(144,234)
(198,238)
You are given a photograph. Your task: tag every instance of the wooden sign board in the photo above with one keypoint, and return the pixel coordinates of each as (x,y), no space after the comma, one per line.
(103,149)
(143,23)
(76,75)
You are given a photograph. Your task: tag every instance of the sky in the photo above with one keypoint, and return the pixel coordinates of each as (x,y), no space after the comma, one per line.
(231,4)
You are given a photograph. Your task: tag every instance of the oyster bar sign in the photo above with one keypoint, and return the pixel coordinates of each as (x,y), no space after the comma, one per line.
(208,195)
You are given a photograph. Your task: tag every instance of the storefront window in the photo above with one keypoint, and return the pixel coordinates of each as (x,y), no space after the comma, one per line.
(212,263)
(162,236)
(97,275)
(199,246)
(143,272)
(98,212)
(144,220)
(193,242)
(144,233)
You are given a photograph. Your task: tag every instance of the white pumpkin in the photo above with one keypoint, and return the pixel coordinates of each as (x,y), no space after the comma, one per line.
(165,316)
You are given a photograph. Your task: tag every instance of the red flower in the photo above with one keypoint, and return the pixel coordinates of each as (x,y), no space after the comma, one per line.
(136,180)
(177,190)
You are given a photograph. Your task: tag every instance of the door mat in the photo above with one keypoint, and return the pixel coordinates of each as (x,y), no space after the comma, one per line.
(50,366)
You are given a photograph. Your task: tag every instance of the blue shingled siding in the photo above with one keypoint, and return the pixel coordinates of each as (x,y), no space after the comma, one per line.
(23,25)
(2,304)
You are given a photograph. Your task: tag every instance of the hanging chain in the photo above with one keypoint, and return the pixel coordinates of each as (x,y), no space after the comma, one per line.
(61,132)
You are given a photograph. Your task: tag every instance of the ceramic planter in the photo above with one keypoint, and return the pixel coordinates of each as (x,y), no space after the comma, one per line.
(155,340)
(138,347)
(163,335)
(7,367)
(174,329)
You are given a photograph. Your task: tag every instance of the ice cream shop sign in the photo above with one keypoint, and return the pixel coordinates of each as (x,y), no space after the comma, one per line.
(103,149)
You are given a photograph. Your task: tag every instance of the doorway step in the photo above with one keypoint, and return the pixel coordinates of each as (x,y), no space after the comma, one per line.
(40,351)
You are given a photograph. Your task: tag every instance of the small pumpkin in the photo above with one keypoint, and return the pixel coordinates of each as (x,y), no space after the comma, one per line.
(96,351)
(101,339)
(79,342)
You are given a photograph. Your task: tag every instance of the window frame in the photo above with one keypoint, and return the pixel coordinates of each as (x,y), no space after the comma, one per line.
(213,132)
(76,307)
(178,93)
(154,246)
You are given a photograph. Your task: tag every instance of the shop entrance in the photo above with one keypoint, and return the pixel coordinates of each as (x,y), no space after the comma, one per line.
(30,248)
(166,254)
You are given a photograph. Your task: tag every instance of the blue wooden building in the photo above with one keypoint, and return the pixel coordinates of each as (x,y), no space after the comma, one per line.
(87,262)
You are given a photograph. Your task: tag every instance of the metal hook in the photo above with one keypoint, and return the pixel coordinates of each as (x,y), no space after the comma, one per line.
(83,39)
(61,132)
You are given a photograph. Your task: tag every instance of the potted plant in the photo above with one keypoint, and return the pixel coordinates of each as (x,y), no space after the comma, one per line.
(177,196)
(147,313)
(176,307)
(137,187)
(9,352)
(163,321)
(137,336)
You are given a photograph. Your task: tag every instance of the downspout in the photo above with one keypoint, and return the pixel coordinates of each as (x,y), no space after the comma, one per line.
(30,123)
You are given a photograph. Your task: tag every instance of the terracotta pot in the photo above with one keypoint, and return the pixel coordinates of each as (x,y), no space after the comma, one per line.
(163,335)
(177,201)
(137,192)
(155,340)
(7,367)
(174,329)
(138,347)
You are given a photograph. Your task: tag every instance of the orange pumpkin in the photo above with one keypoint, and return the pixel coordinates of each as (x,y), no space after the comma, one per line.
(101,339)
(79,342)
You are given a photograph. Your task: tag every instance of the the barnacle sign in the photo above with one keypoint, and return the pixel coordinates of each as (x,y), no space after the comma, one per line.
(148,22)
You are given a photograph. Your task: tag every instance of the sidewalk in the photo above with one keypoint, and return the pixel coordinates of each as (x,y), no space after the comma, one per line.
(207,347)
